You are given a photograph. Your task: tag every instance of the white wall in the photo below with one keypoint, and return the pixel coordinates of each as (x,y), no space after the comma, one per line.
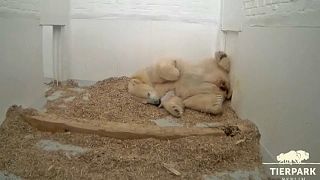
(278,85)
(276,73)
(281,13)
(175,10)
(104,48)
(115,38)
(20,55)
(47,51)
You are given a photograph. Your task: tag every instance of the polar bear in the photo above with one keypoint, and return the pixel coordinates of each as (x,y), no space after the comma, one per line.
(202,86)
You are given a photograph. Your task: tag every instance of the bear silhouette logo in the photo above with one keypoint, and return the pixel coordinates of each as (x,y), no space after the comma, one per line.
(293,157)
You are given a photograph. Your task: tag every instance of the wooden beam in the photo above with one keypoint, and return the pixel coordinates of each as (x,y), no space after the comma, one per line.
(53,123)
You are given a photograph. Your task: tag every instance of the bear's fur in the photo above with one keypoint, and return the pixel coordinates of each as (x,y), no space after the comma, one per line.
(202,86)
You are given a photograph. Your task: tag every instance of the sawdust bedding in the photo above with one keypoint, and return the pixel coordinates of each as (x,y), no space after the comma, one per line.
(109,100)
(110,158)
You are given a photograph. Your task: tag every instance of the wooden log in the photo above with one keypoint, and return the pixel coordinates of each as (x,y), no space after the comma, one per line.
(53,123)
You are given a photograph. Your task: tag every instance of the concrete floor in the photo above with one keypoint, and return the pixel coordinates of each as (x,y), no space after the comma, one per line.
(4,175)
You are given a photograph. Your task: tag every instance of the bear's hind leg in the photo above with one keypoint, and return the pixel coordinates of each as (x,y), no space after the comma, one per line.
(209,103)
(223,60)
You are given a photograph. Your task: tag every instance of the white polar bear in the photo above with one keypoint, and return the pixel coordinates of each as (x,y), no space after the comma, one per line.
(202,86)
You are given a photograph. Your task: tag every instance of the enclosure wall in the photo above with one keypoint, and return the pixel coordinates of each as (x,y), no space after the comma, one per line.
(21,74)
(276,73)
(115,38)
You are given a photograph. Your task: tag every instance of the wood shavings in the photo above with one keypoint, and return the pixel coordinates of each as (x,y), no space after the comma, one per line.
(171,169)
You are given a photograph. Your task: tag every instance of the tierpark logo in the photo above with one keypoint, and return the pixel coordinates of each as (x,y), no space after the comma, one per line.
(291,166)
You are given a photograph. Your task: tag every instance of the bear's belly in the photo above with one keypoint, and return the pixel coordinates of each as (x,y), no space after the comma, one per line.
(192,83)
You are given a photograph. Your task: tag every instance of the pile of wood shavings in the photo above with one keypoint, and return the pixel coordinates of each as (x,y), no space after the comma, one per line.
(109,100)
(110,158)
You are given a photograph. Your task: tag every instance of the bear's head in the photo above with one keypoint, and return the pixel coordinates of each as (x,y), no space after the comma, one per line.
(143,90)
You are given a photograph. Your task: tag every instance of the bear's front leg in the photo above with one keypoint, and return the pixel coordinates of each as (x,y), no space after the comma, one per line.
(209,103)
(168,70)
(172,103)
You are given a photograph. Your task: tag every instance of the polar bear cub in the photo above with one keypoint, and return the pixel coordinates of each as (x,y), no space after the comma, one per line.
(176,84)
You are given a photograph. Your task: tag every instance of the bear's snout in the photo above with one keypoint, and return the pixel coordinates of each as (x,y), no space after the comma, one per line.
(155,102)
